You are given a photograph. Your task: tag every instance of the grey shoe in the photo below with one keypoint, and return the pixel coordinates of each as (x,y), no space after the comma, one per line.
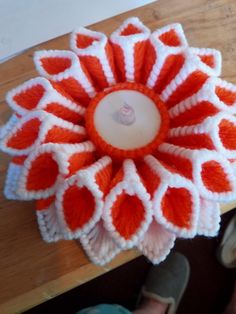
(167,282)
(226,252)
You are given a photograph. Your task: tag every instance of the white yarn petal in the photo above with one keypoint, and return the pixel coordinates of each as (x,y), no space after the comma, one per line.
(99,245)
(48,224)
(209,218)
(156,243)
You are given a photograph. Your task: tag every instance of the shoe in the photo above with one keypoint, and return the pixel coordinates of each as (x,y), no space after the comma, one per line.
(167,281)
(226,252)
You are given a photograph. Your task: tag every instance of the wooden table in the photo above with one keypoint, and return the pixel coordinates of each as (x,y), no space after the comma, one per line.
(32,271)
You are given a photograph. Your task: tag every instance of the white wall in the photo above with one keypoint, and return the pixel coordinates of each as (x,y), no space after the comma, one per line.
(25,23)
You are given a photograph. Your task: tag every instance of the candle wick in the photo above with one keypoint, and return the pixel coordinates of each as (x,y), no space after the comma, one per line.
(126,114)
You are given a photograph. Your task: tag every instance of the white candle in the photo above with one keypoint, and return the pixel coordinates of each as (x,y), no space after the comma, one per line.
(143,114)
(127,120)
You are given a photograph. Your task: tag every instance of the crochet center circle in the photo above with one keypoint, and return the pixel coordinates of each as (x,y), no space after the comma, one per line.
(117,121)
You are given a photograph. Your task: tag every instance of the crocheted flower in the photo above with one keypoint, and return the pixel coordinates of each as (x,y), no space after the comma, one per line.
(125,142)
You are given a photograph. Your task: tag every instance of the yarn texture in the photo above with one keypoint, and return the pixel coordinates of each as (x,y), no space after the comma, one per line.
(109,197)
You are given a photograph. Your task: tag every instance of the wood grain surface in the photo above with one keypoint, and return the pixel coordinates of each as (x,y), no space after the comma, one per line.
(32,271)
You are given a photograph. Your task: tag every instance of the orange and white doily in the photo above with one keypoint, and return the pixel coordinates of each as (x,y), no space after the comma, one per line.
(128,141)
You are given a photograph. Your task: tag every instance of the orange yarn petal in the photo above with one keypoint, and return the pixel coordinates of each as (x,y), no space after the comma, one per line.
(177,206)
(43,173)
(168,45)
(84,41)
(129,44)
(194,115)
(40,127)
(130,29)
(61,135)
(96,54)
(151,56)
(214,133)
(25,136)
(170,69)
(62,112)
(117,178)
(210,171)
(80,198)
(96,70)
(150,179)
(227,133)
(44,203)
(170,38)
(127,214)
(214,177)
(188,88)
(60,90)
(127,209)
(55,65)
(65,69)
(195,141)
(29,98)
(208,60)
(42,94)
(19,160)
(175,199)
(178,163)
(79,206)
(79,160)
(103,178)
(120,61)
(226,95)
(75,89)
(47,165)
(139,53)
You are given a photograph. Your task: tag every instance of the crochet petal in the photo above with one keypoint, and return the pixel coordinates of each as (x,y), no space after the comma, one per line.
(209,218)
(40,127)
(215,95)
(190,79)
(14,173)
(171,35)
(215,133)
(127,210)
(27,96)
(6,128)
(47,220)
(129,44)
(39,93)
(165,56)
(226,93)
(64,68)
(96,53)
(211,57)
(211,173)
(80,198)
(99,245)
(156,243)
(175,199)
(48,165)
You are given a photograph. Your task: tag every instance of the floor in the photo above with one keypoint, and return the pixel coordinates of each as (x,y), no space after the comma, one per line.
(208,291)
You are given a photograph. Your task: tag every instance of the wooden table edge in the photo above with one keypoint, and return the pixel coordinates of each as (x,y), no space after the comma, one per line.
(227,207)
(60,285)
